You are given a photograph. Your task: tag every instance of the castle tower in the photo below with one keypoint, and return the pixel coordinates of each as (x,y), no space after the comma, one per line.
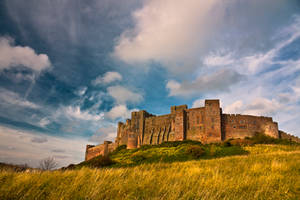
(132,141)
(180,122)
(212,121)
(87,152)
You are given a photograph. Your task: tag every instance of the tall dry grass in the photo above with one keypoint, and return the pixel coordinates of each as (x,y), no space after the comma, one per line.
(268,172)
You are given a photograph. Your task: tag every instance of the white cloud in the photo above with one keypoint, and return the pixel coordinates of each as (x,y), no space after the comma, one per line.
(11,98)
(21,147)
(170,32)
(258,62)
(12,56)
(198,103)
(76,113)
(218,60)
(234,108)
(262,106)
(119,111)
(123,95)
(108,77)
(258,106)
(104,134)
(81,91)
(219,81)
(44,122)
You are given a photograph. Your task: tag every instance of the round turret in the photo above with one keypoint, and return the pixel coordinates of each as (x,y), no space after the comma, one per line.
(132,141)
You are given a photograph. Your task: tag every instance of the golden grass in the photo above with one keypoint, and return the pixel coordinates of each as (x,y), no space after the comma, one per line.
(268,172)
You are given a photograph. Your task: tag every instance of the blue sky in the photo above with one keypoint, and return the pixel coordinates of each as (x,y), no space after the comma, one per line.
(69,70)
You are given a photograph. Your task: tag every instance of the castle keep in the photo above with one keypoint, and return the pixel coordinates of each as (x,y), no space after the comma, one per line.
(205,124)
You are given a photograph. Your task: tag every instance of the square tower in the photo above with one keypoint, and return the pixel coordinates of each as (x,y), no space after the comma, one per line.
(212,121)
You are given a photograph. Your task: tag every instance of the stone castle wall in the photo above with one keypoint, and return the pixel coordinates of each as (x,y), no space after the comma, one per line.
(205,124)
(240,126)
(284,135)
(103,149)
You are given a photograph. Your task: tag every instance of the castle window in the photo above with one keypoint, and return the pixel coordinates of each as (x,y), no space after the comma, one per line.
(198,120)
(242,127)
(242,121)
(232,121)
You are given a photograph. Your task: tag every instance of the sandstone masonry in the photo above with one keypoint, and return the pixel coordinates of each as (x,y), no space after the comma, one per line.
(205,124)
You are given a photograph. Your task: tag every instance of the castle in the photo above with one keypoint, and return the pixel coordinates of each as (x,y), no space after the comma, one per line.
(206,124)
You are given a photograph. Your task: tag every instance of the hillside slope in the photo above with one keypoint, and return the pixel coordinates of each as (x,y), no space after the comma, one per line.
(266,172)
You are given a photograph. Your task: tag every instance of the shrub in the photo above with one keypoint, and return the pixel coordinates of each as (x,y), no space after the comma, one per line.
(213,150)
(69,167)
(226,144)
(146,146)
(178,143)
(195,151)
(241,142)
(99,161)
(119,148)
(260,138)
(137,157)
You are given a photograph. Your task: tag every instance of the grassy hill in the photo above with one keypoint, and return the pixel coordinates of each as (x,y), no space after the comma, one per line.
(185,170)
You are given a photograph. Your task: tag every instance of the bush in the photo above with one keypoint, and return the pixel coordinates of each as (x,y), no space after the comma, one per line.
(213,150)
(99,161)
(226,144)
(178,143)
(241,142)
(137,157)
(260,138)
(119,148)
(146,146)
(195,151)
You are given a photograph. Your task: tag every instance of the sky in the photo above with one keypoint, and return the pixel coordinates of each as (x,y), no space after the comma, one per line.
(71,69)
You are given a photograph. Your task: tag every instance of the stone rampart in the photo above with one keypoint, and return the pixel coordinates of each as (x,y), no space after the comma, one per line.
(102,149)
(284,135)
(240,126)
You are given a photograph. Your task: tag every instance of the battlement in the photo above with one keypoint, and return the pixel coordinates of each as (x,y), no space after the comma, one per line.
(210,102)
(178,108)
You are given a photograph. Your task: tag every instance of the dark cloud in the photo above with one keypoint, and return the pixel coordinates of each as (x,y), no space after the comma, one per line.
(218,81)
(58,151)
(61,157)
(39,140)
